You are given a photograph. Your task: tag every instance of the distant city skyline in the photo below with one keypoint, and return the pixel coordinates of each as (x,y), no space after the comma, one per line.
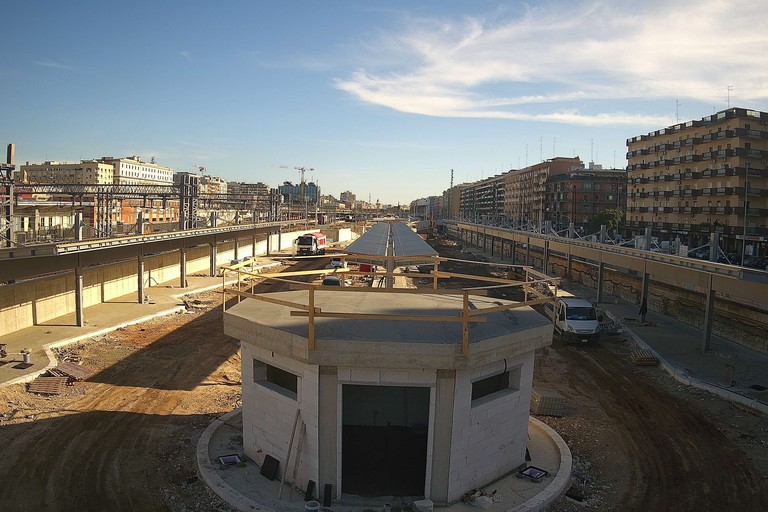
(379,99)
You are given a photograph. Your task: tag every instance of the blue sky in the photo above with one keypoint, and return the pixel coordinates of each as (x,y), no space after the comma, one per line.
(381,98)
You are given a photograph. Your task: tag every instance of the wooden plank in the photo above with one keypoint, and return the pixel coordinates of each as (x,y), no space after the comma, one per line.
(48,385)
(379,316)
(71,370)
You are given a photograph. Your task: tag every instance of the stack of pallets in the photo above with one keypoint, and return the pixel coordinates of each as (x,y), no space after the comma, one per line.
(71,370)
(57,379)
(547,402)
(643,358)
(48,385)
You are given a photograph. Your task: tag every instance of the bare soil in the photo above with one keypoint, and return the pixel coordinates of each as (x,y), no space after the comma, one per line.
(125,438)
(641,441)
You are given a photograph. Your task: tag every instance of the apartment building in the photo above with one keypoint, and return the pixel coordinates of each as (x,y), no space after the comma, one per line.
(483,201)
(700,177)
(526,190)
(89,172)
(577,196)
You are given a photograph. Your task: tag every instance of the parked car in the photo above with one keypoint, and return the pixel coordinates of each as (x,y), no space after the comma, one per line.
(331,281)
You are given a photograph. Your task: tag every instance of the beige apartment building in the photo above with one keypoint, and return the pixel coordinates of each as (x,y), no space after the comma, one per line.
(696,178)
(89,172)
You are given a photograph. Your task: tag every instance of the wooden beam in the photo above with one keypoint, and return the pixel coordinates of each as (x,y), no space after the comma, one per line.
(376,316)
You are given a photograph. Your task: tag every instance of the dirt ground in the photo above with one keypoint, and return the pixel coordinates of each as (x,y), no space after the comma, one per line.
(641,441)
(125,438)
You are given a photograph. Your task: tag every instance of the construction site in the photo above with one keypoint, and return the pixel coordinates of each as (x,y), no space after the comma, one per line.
(121,429)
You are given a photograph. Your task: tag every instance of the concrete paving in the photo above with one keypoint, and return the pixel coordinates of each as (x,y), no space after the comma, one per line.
(244,488)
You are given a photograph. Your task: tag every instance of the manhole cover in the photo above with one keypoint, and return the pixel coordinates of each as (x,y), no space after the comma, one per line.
(758,387)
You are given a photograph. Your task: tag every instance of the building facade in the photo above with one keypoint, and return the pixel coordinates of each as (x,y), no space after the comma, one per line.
(576,197)
(88,172)
(525,204)
(484,200)
(703,177)
(133,171)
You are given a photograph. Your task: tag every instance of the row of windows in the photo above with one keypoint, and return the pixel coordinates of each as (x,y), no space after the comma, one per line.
(286,383)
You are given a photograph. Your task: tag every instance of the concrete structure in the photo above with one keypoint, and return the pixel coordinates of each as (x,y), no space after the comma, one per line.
(373,369)
(703,177)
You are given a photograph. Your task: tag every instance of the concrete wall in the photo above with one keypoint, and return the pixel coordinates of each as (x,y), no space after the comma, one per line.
(736,321)
(30,302)
(268,416)
(489,436)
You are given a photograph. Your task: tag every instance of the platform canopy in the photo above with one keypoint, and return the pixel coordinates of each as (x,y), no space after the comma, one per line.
(393,241)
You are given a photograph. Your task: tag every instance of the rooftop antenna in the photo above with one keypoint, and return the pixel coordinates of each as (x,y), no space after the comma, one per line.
(730,88)
(554,140)
(677,111)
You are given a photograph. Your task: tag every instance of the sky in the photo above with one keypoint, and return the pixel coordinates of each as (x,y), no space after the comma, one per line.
(380,98)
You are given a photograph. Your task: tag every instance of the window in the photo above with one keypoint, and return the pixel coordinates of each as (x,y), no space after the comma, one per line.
(498,383)
(272,377)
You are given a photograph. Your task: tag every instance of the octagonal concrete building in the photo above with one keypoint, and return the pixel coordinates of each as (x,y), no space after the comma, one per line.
(387,392)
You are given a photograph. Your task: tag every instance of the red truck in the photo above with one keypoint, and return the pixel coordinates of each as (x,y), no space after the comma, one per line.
(310,244)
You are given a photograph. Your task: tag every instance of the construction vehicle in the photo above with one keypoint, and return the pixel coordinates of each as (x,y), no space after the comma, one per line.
(576,319)
(311,244)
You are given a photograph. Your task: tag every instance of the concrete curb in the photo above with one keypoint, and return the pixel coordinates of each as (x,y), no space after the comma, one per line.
(560,483)
(211,477)
(684,378)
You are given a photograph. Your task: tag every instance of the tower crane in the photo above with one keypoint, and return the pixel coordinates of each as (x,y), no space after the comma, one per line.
(201,169)
(302,185)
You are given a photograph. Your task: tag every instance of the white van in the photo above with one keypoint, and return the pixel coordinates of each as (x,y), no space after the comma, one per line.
(576,320)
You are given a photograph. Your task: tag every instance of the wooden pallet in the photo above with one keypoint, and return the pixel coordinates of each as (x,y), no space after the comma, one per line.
(72,370)
(48,385)
(643,358)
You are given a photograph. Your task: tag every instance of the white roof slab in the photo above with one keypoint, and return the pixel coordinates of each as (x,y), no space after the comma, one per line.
(359,342)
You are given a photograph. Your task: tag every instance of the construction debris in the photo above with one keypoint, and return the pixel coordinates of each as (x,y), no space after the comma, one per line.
(643,358)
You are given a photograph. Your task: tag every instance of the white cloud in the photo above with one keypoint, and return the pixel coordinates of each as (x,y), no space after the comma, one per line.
(564,62)
(51,64)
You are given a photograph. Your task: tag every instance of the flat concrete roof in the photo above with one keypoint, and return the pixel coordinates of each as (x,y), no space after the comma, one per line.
(402,343)
(497,324)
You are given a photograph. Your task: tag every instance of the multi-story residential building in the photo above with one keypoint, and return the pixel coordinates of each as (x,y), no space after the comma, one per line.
(132,171)
(700,177)
(526,199)
(579,195)
(483,200)
(294,193)
(90,172)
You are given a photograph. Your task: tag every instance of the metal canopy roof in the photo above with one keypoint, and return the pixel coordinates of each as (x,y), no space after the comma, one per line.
(371,247)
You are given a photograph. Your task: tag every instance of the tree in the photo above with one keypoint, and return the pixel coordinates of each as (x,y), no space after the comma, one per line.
(611,218)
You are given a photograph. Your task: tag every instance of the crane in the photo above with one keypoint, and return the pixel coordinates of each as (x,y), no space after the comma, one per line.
(200,169)
(302,170)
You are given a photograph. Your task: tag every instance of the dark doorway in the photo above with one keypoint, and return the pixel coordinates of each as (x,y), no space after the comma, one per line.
(384,440)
